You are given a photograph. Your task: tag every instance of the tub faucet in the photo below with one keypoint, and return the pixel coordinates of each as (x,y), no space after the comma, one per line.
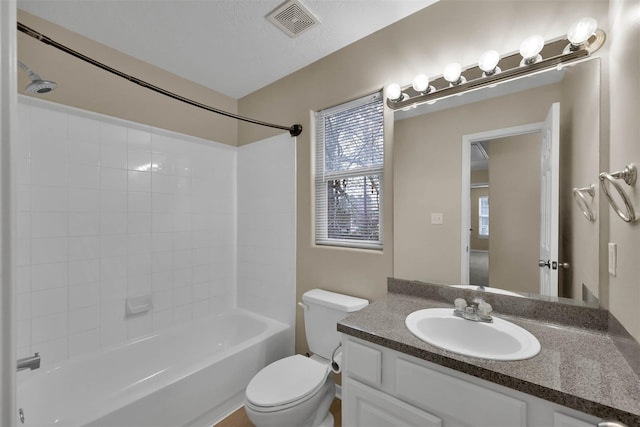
(477,311)
(32,362)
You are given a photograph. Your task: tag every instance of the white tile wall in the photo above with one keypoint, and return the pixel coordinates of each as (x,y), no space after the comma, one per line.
(266,228)
(108,209)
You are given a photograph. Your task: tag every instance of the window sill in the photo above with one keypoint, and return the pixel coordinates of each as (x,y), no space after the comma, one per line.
(339,244)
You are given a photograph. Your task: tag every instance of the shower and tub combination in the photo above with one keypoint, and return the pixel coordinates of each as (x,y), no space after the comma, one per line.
(111,213)
(193,375)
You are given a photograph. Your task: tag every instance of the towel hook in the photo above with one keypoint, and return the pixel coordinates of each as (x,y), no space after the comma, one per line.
(586,206)
(628,175)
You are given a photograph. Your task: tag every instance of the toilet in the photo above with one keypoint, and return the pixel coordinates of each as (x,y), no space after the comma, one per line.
(297,391)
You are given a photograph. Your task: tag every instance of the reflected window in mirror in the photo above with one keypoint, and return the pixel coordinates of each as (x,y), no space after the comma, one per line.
(483,217)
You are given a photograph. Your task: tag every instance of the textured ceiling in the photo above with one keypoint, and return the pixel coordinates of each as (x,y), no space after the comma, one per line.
(226,45)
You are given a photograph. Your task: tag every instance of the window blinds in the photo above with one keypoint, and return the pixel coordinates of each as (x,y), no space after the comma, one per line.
(349,173)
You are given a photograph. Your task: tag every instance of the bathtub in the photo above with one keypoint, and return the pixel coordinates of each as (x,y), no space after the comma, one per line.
(191,375)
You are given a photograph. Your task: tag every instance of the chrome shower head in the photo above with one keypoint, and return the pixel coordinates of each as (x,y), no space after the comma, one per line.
(40,86)
(37,85)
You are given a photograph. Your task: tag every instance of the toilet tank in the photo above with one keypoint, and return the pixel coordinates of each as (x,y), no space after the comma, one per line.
(322,311)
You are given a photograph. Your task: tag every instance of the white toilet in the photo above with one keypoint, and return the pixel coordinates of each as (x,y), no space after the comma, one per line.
(297,391)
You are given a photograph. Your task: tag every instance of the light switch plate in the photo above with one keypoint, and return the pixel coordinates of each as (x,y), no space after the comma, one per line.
(613,259)
(437,218)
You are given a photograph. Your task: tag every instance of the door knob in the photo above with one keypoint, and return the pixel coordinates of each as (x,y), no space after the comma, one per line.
(554,265)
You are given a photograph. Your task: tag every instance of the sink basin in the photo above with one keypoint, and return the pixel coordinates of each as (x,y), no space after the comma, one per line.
(500,340)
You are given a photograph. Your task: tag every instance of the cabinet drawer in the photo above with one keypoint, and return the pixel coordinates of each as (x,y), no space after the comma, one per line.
(364,363)
(365,406)
(452,398)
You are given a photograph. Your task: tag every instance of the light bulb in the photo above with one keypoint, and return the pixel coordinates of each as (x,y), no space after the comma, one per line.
(488,62)
(452,73)
(580,31)
(530,49)
(421,83)
(394,92)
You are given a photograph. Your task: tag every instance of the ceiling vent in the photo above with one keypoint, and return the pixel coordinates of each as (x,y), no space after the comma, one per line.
(293,18)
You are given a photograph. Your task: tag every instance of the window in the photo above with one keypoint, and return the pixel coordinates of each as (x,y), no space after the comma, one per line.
(348,173)
(483,216)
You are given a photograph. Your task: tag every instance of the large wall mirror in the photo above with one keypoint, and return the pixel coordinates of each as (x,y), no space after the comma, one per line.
(483,187)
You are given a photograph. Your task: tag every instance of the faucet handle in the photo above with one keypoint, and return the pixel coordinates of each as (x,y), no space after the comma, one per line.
(460,304)
(484,308)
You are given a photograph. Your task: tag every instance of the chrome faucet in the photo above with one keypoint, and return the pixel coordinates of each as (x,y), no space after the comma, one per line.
(477,311)
(32,362)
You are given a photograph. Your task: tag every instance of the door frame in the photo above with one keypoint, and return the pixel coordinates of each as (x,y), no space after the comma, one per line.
(465,212)
(8,124)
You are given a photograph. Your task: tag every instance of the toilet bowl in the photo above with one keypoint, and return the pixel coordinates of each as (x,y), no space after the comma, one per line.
(296,391)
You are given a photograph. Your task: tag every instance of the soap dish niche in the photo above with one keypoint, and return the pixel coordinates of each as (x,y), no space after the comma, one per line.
(138,305)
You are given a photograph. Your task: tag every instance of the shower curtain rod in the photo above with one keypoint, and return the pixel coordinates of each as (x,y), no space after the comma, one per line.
(294,130)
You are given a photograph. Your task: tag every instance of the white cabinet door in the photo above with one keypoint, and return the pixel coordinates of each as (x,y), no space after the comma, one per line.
(365,406)
(458,402)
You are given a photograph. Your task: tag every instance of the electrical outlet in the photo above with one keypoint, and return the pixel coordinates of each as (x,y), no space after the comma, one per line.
(613,259)
(437,218)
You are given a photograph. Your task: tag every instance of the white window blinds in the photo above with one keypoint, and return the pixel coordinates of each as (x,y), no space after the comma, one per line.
(349,167)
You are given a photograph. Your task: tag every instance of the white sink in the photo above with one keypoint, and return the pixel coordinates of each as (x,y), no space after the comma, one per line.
(499,340)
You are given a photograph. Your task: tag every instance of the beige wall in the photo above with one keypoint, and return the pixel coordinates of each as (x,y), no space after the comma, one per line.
(87,87)
(624,288)
(419,43)
(514,219)
(428,148)
(479,177)
(581,157)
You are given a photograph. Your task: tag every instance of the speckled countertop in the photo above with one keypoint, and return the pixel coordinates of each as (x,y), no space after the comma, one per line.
(578,368)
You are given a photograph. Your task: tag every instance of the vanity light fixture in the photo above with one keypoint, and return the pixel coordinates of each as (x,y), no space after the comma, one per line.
(488,63)
(394,93)
(421,84)
(453,74)
(535,55)
(580,32)
(530,50)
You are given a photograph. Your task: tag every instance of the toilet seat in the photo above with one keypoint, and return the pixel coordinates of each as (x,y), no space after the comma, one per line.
(286,382)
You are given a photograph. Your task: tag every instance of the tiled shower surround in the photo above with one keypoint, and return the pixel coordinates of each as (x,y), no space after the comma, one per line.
(108,209)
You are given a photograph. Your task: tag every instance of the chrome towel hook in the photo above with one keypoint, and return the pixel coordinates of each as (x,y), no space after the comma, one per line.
(586,206)
(628,175)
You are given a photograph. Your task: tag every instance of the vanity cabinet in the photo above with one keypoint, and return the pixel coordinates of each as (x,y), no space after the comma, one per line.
(383,387)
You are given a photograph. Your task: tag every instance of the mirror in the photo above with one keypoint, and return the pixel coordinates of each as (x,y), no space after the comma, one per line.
(436,231)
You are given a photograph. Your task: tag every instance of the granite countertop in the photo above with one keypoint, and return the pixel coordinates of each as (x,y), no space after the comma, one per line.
(576,367)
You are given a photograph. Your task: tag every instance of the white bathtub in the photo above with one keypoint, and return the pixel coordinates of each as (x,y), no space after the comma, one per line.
(192,375)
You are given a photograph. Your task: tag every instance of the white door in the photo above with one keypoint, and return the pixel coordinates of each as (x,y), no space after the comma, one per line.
(549,201)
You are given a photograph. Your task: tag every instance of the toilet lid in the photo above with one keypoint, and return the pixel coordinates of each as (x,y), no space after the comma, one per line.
(286,381)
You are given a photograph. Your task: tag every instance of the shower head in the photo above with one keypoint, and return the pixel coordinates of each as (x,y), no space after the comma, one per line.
(37,85)
(40,86)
